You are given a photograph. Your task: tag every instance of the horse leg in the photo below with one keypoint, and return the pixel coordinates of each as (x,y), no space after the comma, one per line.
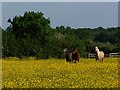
(97,59)
(102,59)
(75,61)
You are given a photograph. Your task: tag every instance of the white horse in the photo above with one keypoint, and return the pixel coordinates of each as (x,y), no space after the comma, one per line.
(99,54)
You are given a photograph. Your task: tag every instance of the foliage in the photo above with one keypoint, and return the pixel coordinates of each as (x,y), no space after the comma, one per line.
(32,35)
(27,36)
(55,73)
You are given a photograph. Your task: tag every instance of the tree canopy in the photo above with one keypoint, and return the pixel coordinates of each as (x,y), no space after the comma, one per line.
(32,35)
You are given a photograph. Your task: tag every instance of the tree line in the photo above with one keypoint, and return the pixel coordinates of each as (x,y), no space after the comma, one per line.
(32,35)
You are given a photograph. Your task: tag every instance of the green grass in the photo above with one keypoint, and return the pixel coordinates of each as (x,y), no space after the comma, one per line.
(55,73)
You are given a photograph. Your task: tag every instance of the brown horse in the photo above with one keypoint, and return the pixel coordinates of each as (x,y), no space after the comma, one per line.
(75,55)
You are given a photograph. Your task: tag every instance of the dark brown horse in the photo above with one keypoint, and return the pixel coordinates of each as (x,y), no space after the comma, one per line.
(68,55)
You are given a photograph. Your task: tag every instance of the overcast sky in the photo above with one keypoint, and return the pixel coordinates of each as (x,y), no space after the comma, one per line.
(75,15)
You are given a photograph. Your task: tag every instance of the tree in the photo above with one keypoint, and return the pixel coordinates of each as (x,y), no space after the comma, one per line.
(105,36)
(31,23)
(30,29)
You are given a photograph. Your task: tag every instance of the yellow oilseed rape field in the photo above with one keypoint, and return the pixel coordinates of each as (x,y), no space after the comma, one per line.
(57,73)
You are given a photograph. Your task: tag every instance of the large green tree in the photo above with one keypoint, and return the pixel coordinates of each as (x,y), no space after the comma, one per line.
(32,31)
(31,23)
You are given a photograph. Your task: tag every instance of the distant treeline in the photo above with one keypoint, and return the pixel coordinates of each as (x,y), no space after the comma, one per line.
(32,35)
